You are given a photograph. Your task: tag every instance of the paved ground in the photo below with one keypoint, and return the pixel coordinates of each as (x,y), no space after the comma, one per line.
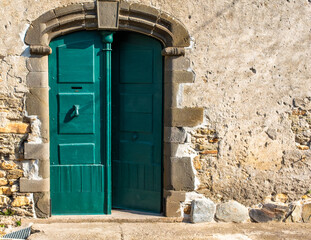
(126,225)
(171,231)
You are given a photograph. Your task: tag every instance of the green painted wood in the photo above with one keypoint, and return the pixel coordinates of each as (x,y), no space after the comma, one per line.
(107,38)
(80,123)
(136,122)
(77,117)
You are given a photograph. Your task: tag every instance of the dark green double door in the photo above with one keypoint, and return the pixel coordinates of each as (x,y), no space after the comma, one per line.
(82,177)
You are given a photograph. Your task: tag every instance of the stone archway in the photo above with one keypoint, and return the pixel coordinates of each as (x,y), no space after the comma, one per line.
(116,16)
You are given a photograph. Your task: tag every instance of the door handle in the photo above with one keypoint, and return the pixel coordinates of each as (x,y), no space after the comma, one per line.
(76,110)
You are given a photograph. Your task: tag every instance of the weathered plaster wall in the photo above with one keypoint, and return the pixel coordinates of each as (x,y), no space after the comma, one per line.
(251,60)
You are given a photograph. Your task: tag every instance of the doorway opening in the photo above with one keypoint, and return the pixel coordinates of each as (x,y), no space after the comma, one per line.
(82,173)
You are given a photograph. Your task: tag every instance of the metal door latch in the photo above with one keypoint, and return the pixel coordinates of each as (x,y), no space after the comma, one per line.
(76,110)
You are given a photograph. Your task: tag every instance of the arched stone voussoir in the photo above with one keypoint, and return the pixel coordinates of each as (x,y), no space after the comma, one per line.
(132,16)
(135,16)
(43,29)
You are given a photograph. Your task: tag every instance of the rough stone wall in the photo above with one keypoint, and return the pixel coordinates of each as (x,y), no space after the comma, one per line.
(13,132)
(251,60)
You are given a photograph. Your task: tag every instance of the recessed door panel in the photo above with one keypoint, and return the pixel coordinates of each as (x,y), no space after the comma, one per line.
(76,113)
(130,71)
(76,62)
(136,152)
(136,122)
(77,153)
(136,103)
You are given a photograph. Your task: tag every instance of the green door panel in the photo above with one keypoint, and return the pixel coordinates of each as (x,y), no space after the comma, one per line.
(77,116)
(78,189)
(76,110)
(136,122)
(134,103)
(82,55)
(77,153)
(139,73)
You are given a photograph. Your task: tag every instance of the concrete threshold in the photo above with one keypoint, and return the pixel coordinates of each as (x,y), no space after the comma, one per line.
(117,216)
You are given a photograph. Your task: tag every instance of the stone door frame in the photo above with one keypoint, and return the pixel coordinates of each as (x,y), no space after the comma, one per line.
(113,15)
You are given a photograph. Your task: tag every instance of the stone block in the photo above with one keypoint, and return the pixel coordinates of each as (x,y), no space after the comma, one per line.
(296,213)
(74,8)
(34,34)
(37,79)
(20,201)
(167,114)
(170,95)
(46,17)
(197,163)
(5,191)
(2,174)
(306,213)
(174,196)
(108,14)
(232,211)
(3,181)
(37,64)
(202,210)
(209,152)
(44,168)
(167,173)
(41,49)
(4,201)
(175,134)
(15,127)
(44,129)
(170,149)
(15,173)
(8,165)
(37,101)
(49,27)
(182,76)
(176,63)
(173,200)
(183,178)
(70,20)
(33,186)
(173,51)
(269,212)
(181,37)
(88,6)
(172,209)
(149,13)
(187,117)
(42,204)
(281,197)
(36,151)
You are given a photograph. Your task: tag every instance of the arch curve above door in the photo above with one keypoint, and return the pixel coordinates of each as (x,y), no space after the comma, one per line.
(131,17)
